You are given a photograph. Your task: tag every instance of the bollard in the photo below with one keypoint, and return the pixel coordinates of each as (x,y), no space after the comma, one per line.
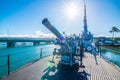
(41,53)
(8,64)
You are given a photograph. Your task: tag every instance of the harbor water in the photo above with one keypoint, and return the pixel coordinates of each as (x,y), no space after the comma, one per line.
(111,54)
(20,55)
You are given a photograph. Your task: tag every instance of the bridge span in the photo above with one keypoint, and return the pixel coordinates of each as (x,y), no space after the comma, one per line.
(11,41)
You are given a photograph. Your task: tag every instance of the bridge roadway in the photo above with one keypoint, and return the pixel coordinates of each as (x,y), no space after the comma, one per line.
(25,39)
(12,40)
(44,70)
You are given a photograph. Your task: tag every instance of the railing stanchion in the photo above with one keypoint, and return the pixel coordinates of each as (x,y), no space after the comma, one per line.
(100,52)
(41,53)
(99,49)
(8,64)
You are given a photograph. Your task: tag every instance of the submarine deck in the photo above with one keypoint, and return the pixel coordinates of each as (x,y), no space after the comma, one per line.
(43,69)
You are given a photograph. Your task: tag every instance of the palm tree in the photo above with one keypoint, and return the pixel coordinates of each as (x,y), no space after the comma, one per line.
(114,30)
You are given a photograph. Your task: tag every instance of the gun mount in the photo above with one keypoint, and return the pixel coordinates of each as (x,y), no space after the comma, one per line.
(72,48)
(66,44)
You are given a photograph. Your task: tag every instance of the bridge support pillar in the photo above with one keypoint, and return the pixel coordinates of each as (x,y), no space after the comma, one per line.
(36,43)
(11,44)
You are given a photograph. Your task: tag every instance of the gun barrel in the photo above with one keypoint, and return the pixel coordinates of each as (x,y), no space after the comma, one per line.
(47,24)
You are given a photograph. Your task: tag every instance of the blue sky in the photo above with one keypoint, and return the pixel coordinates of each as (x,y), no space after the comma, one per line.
(25,16)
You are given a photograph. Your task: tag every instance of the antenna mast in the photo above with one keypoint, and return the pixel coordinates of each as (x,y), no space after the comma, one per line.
(85,20)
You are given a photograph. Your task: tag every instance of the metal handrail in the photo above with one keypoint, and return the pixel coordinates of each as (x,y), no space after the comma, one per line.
(112,50)
(9,63)
(23,52)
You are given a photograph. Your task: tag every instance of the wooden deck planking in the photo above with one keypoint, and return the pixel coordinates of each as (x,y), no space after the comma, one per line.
(102,71)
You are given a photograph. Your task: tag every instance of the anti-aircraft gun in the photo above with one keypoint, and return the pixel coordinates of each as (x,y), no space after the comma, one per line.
(72,48)
(67,45)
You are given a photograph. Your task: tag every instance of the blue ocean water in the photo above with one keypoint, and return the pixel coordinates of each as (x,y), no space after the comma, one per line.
(20,55)
(112,54)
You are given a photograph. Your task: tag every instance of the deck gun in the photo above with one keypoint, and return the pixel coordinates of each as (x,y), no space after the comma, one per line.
(67,45)
(72,47)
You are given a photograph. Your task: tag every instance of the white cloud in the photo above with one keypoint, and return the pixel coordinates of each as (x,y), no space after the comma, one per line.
(37,34)
(4,35)
(43,35)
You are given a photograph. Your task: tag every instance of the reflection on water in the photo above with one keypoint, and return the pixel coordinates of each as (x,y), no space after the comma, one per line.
(112,54)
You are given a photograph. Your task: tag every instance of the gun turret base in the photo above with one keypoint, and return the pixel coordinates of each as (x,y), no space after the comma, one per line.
(66,61)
